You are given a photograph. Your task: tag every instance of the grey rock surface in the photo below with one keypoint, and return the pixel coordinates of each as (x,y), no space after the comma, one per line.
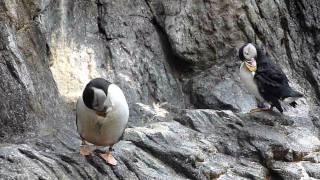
(29,97)
(177,64)
(219,89)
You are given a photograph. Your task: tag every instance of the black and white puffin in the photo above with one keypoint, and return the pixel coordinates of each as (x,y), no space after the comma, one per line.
(264,79)
(102,114)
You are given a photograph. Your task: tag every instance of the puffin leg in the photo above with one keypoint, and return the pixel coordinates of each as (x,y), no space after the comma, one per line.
(85,149)
(278,106)
(260,107)
(108,157)
(261,104)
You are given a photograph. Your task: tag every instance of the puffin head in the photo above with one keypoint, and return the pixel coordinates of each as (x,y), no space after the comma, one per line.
(95,96)
(248,54)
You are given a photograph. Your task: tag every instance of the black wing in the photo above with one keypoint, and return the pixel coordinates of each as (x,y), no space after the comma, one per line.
(271,81)
(271,76)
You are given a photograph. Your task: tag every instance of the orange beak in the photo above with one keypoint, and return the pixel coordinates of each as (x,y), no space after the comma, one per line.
(251,65)
(103,114)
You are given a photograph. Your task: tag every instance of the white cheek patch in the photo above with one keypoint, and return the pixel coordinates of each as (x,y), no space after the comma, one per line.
(249,51)
(99,97)
(246,53)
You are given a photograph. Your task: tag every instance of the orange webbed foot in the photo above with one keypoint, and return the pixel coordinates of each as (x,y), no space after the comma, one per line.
(85,150)
(109,158)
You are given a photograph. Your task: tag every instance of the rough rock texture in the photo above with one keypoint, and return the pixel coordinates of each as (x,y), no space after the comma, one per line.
(29,102)
(177,64)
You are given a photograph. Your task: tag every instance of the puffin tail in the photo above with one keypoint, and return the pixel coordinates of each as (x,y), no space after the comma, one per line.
(292,97)
(295,94)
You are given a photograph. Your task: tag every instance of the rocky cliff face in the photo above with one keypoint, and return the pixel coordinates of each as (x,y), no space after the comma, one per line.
(177,64)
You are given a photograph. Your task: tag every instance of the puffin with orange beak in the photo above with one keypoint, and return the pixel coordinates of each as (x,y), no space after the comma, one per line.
(264,79)
(102,115)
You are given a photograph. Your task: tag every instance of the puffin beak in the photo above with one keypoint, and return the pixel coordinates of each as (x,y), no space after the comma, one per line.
(102,113)
(251,65)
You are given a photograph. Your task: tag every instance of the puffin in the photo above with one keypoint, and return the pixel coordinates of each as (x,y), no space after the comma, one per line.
(102,114)
(264,79)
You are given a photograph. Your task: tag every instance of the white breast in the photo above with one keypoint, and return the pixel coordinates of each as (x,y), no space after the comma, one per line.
(247,79)
(104,131)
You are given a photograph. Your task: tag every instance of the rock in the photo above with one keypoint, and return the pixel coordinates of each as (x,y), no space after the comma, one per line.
(197,30)
(120,43)
(313,157)
(313,169)
(300,170)
(197,34)
(28,91)
(284,170)
(177,64)
(146,152)
(217,90)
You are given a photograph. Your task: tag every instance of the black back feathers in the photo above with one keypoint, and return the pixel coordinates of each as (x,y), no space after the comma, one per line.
(272,83)
(88,93)
(240,53)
